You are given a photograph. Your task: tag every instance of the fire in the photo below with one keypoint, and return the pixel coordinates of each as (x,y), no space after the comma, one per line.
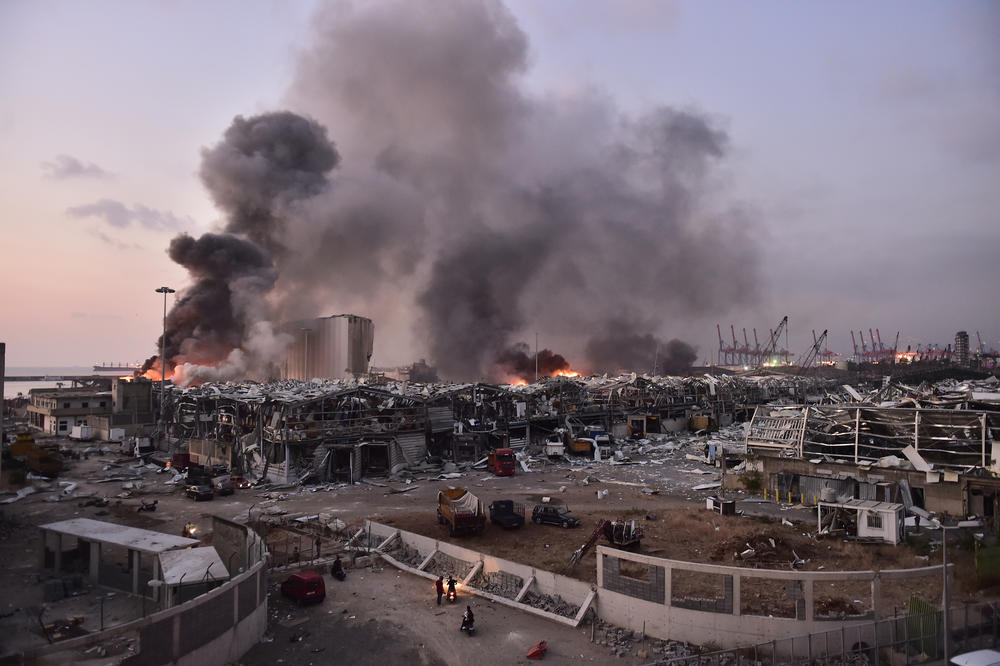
(518,382)
(566,373)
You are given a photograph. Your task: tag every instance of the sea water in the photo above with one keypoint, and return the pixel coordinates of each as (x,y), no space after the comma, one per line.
(11,389)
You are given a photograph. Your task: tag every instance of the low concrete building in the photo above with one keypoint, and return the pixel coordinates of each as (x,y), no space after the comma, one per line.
(56,411)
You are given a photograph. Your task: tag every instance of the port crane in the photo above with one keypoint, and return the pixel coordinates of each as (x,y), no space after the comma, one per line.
(806,360)
(772,344)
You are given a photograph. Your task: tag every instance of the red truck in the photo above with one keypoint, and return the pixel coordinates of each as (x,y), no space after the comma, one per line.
(501,462)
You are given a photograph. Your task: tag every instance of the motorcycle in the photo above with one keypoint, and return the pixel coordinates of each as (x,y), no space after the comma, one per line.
(452,595)
(468,625)
(190,531)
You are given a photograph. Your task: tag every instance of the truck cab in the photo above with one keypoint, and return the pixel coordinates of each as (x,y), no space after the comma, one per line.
(501,462)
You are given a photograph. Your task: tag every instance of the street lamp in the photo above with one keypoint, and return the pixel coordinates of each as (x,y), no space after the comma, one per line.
(305,353)
(163,358)
(945,592)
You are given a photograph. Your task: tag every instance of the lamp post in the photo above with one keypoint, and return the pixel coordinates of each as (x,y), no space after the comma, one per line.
(305,354)
(163,358)
(945,591)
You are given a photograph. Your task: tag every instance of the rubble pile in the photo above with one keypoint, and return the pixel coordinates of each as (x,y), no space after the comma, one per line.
(763,547)
(552,604)
(499,583)
(446,565)
(399,551)
(622,643)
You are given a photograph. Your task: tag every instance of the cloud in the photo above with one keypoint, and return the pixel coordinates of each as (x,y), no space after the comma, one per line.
(67,166)
(118,215)
(114,242)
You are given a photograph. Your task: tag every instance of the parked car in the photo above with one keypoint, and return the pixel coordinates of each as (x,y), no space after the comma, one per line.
(199,491)
(304,587)
(554,515)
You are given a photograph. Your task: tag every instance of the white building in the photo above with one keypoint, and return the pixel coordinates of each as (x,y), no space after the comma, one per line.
(334,347)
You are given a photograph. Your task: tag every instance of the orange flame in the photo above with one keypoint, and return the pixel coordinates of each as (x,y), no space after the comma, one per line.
(566,373)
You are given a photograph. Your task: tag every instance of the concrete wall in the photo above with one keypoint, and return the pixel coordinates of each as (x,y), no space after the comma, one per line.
(216,628)
(575,592)
(645,600)
(648,605)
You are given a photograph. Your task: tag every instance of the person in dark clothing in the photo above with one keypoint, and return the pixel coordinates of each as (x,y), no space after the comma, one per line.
(468,619)
(337,569)
(439,586)
(451,589)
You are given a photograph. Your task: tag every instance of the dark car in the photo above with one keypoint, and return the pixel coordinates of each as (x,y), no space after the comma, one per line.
(223,486)
(554,515)
(304,587)
(199,491)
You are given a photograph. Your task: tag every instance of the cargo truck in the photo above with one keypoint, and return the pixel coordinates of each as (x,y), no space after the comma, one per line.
(461,511)
(501,462)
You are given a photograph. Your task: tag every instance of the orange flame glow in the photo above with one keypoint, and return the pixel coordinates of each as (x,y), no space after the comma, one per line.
(566,373)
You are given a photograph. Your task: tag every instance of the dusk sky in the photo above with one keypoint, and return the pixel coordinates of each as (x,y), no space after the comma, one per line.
(863,154)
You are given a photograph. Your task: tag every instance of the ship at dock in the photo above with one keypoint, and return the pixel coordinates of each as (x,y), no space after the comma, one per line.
(116,367)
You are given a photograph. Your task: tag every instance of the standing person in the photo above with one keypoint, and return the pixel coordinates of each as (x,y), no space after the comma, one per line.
(439,586)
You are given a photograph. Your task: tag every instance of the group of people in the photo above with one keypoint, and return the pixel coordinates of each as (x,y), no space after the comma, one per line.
(468,618)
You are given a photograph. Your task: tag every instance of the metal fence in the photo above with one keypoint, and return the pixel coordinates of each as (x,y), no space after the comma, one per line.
(907,639)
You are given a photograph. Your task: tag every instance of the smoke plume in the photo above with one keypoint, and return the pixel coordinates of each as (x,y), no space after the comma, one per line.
(519,361)
(644,354)
(466,212)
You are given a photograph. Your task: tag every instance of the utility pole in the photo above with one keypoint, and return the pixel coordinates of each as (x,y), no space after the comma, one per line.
(163,360)
(536,357)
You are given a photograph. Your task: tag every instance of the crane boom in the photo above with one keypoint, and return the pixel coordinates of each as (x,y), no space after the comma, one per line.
(772,344)
(809,357)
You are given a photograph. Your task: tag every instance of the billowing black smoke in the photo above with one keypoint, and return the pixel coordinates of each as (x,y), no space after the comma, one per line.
(518,361)
(514,213)
(622,351)
(467,210)
(220,326)
(262,165)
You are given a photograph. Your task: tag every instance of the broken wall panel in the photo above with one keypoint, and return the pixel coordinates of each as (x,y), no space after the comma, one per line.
(944,438)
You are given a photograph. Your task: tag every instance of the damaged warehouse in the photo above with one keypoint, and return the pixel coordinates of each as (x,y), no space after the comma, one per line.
(925,459)
(343,430)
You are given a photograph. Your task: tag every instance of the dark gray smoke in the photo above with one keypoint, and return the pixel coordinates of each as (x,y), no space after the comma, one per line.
(518,362)
(524,213)
(622,351)
(220,326)
(261,165)
(470,211)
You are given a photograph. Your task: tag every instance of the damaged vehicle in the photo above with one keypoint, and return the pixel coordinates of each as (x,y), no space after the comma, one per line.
(199,491)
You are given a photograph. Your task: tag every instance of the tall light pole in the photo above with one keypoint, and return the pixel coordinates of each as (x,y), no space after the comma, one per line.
(163,358)
(945,591)
(305,354)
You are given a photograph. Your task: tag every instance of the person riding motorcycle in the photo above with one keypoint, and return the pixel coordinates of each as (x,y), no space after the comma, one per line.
(451,589)
(468,620)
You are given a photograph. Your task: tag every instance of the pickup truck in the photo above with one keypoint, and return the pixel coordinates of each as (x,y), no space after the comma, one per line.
(461,511)
(507,514)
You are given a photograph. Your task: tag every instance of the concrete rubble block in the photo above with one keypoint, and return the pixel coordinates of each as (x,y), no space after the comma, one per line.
(500,583)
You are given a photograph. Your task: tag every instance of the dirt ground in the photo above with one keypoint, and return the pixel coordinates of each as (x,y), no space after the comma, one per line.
(658,494)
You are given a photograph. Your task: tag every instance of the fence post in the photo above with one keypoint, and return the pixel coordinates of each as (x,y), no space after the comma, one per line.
(774,652)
